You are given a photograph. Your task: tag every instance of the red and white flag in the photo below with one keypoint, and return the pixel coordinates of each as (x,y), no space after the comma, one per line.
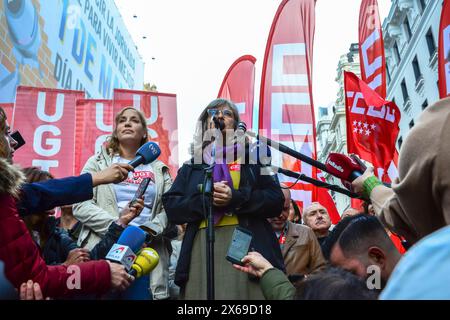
(372,124)
(371,47)
(94,123)
(444,51)
(286,106)
(238,86)
(160,111)
(46,120)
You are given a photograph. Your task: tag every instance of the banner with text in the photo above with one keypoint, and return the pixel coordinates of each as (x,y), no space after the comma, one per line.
(94,123)
(444,51)
(46,120)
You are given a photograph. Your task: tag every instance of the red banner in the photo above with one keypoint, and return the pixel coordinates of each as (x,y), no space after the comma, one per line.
(94,123)
(325,199)
(160,110)
(372,124)
(9,110)
(238,86)
(286,106)
(444,51)
(371,47)
(46,120)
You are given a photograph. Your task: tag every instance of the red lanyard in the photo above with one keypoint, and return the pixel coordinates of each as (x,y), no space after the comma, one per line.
(282,238)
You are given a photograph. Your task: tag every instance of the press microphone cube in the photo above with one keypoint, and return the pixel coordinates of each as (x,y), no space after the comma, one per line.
(146,154)
(121,254)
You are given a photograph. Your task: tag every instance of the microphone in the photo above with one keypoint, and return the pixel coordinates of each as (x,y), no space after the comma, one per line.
(219,123)
(343,167)
(129,242)
(146,261)
(241,127)
(146,154)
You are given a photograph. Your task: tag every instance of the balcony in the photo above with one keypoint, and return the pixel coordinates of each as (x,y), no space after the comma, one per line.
(433,61)
(420,85)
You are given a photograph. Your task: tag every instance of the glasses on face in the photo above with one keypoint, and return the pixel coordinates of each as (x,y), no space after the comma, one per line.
(215,112)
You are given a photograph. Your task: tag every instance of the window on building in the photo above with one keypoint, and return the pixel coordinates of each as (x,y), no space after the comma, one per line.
(397,52)
(407,28)
(422,5)
(404,91)
(400,141)
(416,68)
(411,124)
(388,73)
(430,42)
(425,104)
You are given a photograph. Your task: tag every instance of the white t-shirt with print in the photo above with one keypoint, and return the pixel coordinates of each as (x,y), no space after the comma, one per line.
(126,189)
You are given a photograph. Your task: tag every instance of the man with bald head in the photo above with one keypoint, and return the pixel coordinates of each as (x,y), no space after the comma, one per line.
(301,251)
(317,218)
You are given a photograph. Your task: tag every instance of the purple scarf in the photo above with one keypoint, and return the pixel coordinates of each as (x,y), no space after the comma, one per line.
(221,172)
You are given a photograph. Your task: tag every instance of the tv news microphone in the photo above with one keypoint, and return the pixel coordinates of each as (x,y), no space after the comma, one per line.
(218,123)
(343,167)
(129,242)
(241,127)
(146,154)
(146,261)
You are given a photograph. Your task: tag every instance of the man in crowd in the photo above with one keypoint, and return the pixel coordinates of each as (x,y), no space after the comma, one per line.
(299,247)
(317,218)
(359,242)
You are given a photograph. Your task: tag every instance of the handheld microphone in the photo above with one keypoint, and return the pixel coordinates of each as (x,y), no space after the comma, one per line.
(219,123)
(129,242)
(146,261)
(146,154)
(241,127)
(343,167)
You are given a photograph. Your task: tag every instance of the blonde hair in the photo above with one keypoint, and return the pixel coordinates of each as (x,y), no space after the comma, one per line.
(113,143)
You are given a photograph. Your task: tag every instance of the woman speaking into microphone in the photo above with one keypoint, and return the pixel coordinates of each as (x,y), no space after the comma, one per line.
(110,203)
(242,196)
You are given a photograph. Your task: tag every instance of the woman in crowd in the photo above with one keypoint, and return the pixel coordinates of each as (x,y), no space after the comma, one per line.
(243,197)
(111,201)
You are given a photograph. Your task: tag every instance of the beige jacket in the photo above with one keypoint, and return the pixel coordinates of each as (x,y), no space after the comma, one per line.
(301,251)
(97,214)
(419,203)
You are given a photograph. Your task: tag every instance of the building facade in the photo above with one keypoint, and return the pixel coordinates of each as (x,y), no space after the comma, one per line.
(410,39)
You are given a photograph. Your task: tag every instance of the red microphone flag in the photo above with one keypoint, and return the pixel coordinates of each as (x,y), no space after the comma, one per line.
(444,51)
(238,86)
(372,123)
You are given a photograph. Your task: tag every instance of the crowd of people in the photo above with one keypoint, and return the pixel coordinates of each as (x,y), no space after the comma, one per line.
(295,253)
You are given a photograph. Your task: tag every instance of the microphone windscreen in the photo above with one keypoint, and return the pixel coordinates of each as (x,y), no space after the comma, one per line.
(132,237)
(150,151)
(145,262)
(342,166)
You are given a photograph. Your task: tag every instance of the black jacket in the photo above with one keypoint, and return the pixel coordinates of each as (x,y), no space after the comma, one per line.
(259,197)
(60,243)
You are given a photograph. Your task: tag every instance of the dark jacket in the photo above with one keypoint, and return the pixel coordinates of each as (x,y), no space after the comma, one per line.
(259,197)
(60,243)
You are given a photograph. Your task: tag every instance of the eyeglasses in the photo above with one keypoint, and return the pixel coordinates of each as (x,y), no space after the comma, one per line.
(226,113)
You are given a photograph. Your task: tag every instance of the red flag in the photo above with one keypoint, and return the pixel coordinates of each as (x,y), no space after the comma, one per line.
(160,110)
(94,123)
(371,47)
(9,110)
(46,120)
(238,86)
(372,123)
(444,51)
(325,199)
(286,109)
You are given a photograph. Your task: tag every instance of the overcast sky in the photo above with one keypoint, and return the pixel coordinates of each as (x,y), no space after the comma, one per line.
(194,42)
